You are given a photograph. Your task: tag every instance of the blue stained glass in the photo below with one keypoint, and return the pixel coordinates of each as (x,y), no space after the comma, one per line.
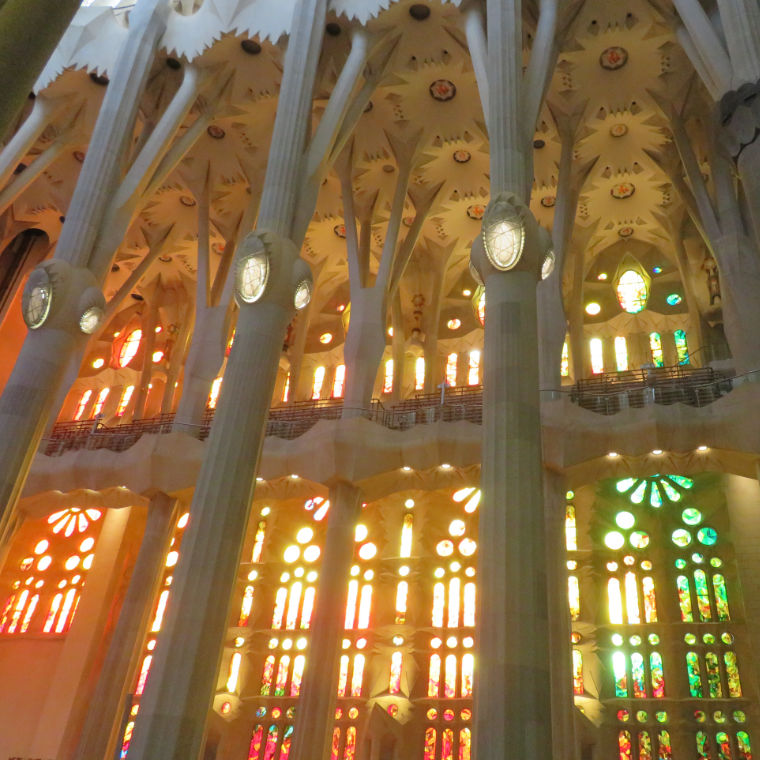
(655,499)
(682,481)
(638,495)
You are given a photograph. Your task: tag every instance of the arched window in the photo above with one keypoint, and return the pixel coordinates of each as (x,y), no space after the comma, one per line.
(682,347)
(597,356)
(130,347)
(316,386)
(388,377)
(621,354)
(473,370)
(632,291)
(339,381)
(451,369)
(124,400)
(655,346)
(419,373)
(82,405)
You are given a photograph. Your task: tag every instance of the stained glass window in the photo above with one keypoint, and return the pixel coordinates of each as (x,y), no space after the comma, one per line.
(624,745)
(694,674)
(564,367)
(339,381)
(620,674)
(451,369)
(571,534)
(394,681)
(574,596)
(682,347)
(621,354)
(578,688)
(419,373)
(632,291)
(100,402)
(319,379)
(130,347)
(124,400)
(657,675)
(213,395)
(286,389)
(473,370)
(597,355)
(82,405)
(665,751)
(388,377)
(655,346)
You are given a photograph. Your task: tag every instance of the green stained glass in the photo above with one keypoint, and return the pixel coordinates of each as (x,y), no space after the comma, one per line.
(655,346)
(707,536)
(625,520)
(617,639)
(682,347)
(743,745)
(680,564)
(658,677)
(739,716)
(664,750)
(661,716)
(642,716)
(691,516)
(625,485)
(697,558)
(721,597)
(639,539)
(716,562)
(619,673)
(635,641)
(637,675)
(670,492)
(638,494)
(692,670)
(719,716)
(682,481)
(645,746)
(724,745)
(732,674)
(684,599)
(681,537)
(655,498)
(654,639)
(703,746)
(713,675)
(690,638)
(727,638)
(703,596)
(708,638)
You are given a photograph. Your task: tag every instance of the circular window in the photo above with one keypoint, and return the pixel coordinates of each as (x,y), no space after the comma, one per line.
(614,540)
(681,537)
(707,536)
(691,516)
(625,520)
(130,347)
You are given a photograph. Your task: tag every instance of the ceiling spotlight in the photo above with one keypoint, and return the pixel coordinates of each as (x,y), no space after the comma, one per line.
(701,448)
(613,455)
(657,452)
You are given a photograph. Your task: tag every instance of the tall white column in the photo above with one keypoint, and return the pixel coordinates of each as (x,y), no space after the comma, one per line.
(312,736)
(31,391)
(178,694)
(100,731)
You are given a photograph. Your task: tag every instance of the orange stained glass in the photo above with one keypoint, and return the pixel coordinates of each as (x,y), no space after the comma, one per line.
(465,744)
(650,601)
(454,593)
(402,592)
(295,682)
(564,370)
(468,618)
(388,377)
(447,744)
(279,607)
(343,675)
(394,681)
(419,373)
(82,405)
(468,671)
(286,388)
(430,736)
(286,741)
(357,675)
(574,597)
(294,602)
(365,607)
(31,607)
(308,607)
(335,744)
(624,745)
(349,753)
(258,541)
(124,400)
(319,379)
(578,687)
(53,612)
(439,601)
(23,596)
(339,381)
(450,676)
(434,677)
(571,531)
(158,618)
(281,679)
(353,595)
(130,347)
(246,605)
(73,519)
(68,608)
(213,396)
(406,536)
(451,369)
(100,402)
(473,368)
(597,356)
(234,671)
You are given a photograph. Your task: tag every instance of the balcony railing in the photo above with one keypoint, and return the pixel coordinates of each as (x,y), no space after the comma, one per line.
(604,394)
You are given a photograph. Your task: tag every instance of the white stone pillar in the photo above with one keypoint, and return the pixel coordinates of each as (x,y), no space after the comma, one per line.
(173,711)
(312,736)
(103,720)
(31,391)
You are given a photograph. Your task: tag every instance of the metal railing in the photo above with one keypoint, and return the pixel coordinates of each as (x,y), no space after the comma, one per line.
(602,395)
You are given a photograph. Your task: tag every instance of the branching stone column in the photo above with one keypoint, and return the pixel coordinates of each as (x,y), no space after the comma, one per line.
(104,716)
(62,301)
(312,735)
(512,698)
(270,279)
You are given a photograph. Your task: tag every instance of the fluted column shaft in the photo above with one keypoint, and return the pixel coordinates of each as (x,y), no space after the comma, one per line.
(103,719)
(312,736)
(180,687)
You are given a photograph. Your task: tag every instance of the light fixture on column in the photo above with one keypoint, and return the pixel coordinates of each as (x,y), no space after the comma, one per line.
(91,310)
(503,233)
(90,320)
(252,276)
(548,266)
(302,295)
(37,298)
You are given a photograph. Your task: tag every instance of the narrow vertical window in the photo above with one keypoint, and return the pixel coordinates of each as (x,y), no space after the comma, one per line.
(624,745)
(402,592)
(632,598)
(664,749)
(388,377)
(234,671)
(124,400)
(335,744)
(721,597)
(650,602)
(339,381)
(279,608)
(574,597)
(258,541)
(434,677)
(684,599)
(468,671)
(213,395)
(158,619)
(406,536)
(571,531)
(724,745)
(655,346)
(282,676)
(394,681)
(454,595)
(295,682)
(620,674)
(451,369)
(564,367)
(637,675)
(82,405)
(419,373)
(447,744)
(473,370)
(271,746)
(357,676)
(349,753)
(468,615)
(743,745)
(703,595)
(645,746)
(254,748)
(450,676)
(286,389)
(365,607)
(578,688)
(294,602)
(286,741)
(430,736)
(343,675)
(694,674)
(353,595)
(597,356)
(439,601)
(245,606)
(308,607)
(732,675)
(703,746)
(316,386)
(465,744)
(658,677)
(713,675)
(100,402)
(621,354)
(682,347)
(143,677)
(267,676)
(615,601)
